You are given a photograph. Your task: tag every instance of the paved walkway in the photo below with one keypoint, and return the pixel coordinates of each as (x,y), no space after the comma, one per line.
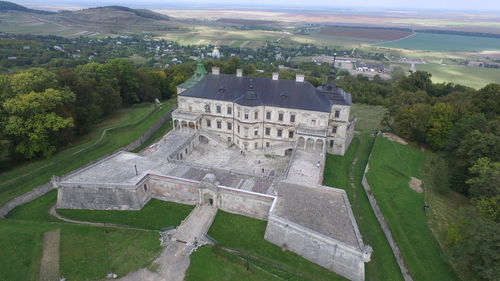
(174,260)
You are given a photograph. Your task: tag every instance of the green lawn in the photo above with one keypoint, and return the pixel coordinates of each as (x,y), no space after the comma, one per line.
(128,125)
(229,267)
(155,215)
(86,253)
(36,210)
(341,173)
(475,77)
(166,127)
(246,236)
(368,116)
(391,167)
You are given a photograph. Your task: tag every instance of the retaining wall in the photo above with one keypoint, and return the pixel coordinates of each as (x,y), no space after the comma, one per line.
(245,203)
(320,249)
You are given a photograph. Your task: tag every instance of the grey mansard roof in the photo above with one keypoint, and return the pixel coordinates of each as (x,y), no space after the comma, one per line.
(256,91)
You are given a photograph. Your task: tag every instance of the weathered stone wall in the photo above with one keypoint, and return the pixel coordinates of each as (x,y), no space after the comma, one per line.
(320,249)
(244,203)
(173,189)
(100,197)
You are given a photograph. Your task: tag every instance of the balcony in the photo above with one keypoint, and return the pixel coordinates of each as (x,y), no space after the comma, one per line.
(312,131)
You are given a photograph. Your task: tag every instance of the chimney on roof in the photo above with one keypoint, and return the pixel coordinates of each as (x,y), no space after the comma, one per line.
(299,78)
(239,72)
(276,75)
(215,70)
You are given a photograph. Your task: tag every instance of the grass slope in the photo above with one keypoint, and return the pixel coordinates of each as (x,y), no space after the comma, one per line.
(229,267)
(87,253)
(155,215)
(340,172)
(246,236)
(391,167)
(475,77)
(128,125)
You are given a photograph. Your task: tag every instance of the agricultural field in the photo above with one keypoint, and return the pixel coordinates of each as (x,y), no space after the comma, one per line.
(475,77)
(245,21)
(365,33)
(444,43)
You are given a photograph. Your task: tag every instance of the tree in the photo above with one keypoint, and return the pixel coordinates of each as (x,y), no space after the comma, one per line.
(33,80)
(417,81)
(126,76)
(475,240)
(488,207)
(32,123)
(411,121)
(440,124)
(461,128)
(485,178)
(488,100)
(476,145)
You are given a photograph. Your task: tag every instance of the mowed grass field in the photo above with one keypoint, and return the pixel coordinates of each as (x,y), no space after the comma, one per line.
(125,126)
(444,43)
(86,252)
(241,239)
(391,167)
(475,77)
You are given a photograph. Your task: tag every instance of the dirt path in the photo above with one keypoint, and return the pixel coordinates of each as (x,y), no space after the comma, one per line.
(174,260)
(49,265)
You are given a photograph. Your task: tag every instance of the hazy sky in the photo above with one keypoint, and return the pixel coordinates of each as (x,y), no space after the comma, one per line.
(467,5)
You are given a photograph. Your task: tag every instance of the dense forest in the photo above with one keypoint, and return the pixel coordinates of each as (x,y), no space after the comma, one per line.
(43,110)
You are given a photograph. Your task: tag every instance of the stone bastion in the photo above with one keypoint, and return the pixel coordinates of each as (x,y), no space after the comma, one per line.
(314,221)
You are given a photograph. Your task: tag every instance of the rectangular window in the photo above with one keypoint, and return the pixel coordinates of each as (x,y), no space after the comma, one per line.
(334,129)
(268,115)
(292,118)
(229,125)
(313,122)
(229,110)
(280,116)
(228,139)
(279,133)
(337,113)
(256,115)
(209,124)
(219,124)
(256,132)
(238,129)
(290,134)
(268,131)
(331,143)
(207,108)
(218,109)
(255,145)
(238,114)
(246,115)
(267,144)
(246,131)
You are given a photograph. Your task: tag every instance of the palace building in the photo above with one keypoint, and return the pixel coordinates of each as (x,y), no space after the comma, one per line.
(264,113)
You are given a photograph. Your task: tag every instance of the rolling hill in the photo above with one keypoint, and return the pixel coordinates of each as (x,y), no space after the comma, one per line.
(99,21)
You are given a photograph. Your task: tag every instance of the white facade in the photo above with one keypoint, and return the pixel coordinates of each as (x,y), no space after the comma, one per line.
(267,127)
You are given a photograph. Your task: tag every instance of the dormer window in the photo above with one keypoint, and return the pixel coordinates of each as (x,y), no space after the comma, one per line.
(207,108)
(280,116)
(218,108)
(246,115)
